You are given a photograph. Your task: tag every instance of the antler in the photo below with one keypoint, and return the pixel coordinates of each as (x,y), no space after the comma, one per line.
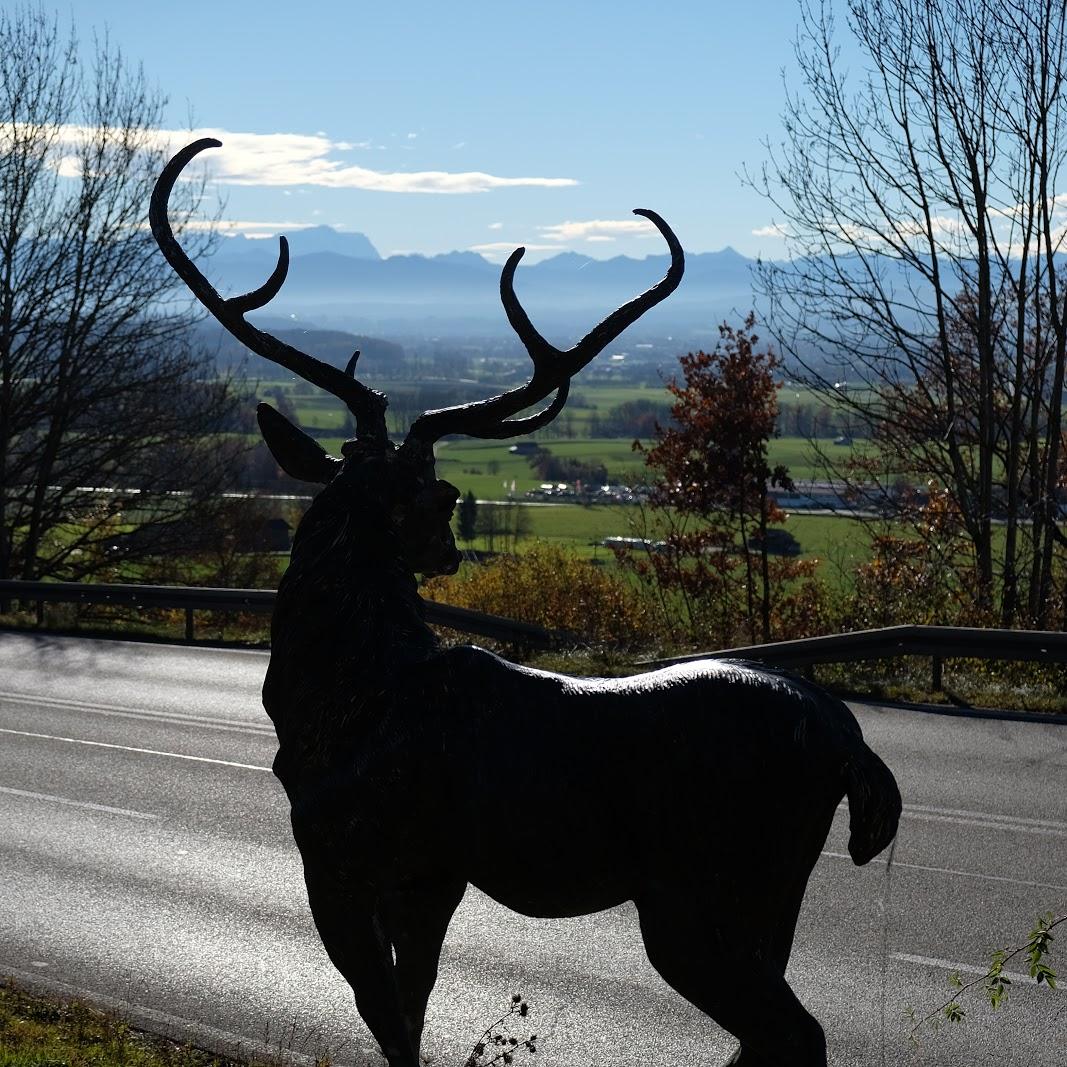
(553,368)
(367,405)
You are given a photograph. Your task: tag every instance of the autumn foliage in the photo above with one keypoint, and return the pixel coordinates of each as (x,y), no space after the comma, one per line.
(713,572)
(553,588)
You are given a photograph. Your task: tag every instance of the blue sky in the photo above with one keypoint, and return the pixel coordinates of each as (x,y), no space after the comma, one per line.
(553,119)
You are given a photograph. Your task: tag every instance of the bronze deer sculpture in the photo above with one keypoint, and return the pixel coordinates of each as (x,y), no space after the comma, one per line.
(702,792)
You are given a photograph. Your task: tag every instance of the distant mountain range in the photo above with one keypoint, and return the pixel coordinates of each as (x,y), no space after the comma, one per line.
(302,243)
(340,280)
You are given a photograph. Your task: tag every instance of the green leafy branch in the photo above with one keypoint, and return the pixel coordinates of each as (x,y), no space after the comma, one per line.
(994,983)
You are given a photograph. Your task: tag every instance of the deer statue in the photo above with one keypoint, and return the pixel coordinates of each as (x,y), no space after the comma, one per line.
(703,793)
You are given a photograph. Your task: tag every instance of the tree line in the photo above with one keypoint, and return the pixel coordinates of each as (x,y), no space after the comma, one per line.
(917,196)
(100,384)
(917,193)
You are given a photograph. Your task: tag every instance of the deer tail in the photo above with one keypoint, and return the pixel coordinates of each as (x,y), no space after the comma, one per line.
(874,804)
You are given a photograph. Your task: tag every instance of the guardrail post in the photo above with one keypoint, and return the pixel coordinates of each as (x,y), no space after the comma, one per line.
(936,664)
(188,624)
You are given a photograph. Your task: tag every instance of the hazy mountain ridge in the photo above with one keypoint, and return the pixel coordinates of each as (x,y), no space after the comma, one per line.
(570,291)
(301,242)
(331,346)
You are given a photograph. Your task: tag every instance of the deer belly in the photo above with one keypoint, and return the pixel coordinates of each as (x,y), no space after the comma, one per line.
(555,868)
(542,897)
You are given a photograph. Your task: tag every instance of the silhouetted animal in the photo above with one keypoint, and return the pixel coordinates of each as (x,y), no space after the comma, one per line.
(703,792)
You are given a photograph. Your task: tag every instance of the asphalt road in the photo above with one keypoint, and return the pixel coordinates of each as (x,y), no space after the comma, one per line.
(146,862)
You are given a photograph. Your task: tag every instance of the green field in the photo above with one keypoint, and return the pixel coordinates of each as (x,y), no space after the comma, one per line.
(485,467)
(491,472)
(837,541)
(488,469)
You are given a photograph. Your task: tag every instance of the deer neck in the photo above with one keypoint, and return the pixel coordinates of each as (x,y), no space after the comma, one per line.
(347,577)
(348,620)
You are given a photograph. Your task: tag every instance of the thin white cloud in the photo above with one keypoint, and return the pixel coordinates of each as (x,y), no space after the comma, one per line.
(496,225)
(775,229)
(292,159)
(247,227)
(598,230)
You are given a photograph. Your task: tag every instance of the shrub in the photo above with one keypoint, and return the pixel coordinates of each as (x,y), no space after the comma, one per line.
(551,587)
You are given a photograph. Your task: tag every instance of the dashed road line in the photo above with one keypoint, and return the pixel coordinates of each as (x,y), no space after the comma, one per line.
(990,816)
(988,824)
(175,718)
(142,751)
(983,820)
(76,803)
(962,968)
(953,870)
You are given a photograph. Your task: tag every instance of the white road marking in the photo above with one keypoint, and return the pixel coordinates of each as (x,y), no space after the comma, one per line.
(77,803)
(173,717)
(130,748)
(983,820)
(963,968)
(954,870)
(987,824)
(992,816)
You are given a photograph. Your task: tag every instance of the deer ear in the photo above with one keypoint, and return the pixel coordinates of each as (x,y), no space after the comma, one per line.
(299,455)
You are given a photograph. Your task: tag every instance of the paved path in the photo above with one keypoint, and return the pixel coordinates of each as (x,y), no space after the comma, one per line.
(146,861)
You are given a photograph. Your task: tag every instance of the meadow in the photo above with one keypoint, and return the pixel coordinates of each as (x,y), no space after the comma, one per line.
(837,541)
(492,472)
(488,468)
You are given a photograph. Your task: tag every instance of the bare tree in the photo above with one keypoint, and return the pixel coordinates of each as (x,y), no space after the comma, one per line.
(108,417)
(917,188)
(489,525)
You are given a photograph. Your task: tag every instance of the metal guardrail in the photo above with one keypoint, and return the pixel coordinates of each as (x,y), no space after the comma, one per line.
(196,598)
(937,642)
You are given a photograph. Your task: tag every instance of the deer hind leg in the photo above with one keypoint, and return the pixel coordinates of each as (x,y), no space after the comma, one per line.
(741,987)
(355,939)
(416,919)
(776,948)
(777,943)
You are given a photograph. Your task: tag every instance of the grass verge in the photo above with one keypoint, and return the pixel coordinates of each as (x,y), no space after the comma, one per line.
(966,683)
(43,1031)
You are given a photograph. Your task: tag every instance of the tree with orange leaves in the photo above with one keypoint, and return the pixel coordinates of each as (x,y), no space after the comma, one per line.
(714,480)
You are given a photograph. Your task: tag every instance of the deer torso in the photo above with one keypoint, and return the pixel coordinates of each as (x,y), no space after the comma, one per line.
(403,758)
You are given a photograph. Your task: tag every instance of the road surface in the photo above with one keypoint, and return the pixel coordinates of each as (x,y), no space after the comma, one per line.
(146,863)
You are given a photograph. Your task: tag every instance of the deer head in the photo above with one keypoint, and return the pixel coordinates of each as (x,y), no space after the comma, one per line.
(400,480)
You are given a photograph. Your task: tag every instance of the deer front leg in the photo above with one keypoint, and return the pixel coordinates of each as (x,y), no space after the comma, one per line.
(416,920)
(355,939)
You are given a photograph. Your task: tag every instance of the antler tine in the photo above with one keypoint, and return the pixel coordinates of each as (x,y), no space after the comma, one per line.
(367,405)
(552,368)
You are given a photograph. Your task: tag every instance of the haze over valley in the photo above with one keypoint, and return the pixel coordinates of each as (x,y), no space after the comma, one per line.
(338,280)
